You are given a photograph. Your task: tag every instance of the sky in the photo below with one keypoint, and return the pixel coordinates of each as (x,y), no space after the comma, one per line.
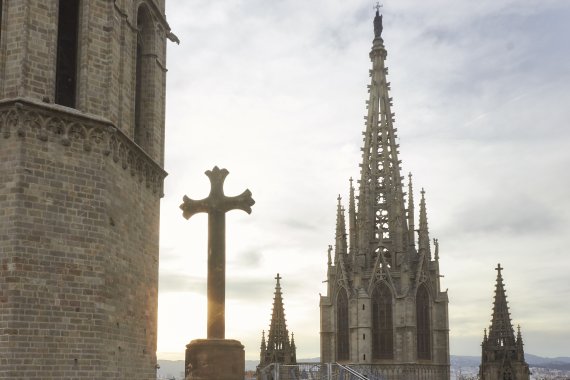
(274,91)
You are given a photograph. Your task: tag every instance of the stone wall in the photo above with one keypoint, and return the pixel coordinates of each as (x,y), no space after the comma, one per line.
(79,200)
(78,248)
(106,60)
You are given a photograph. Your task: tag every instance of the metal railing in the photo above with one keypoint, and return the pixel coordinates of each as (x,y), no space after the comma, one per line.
(310,371)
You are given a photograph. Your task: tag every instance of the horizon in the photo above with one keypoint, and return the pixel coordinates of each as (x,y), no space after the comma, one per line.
(275,93)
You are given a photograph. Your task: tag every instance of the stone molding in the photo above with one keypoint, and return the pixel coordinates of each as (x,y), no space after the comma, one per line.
(47,122)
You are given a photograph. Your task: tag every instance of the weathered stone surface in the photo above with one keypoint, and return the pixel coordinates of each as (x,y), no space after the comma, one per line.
(215,359)
(79,200)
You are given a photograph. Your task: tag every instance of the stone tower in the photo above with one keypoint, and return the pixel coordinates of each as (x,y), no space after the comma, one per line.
(278,349)
(384,311)
(82,92)
(502,355)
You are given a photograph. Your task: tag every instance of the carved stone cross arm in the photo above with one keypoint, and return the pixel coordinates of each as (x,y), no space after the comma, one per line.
(217,200)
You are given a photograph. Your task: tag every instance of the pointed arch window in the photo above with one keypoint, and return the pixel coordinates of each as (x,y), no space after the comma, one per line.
(342,326)
(143,75)
(423,324)
(66,60)
(382,325)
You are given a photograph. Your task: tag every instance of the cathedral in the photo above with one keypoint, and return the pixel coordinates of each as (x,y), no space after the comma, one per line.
(384,312)
(82,101)
(502,355)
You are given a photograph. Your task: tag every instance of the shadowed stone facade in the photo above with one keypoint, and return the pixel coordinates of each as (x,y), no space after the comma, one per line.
(384,312)
(79,191)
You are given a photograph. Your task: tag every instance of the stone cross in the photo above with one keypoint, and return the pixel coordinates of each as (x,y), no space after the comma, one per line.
(216,205)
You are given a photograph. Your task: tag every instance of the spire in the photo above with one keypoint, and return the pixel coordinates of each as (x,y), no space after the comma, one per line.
(423,238)
(352,220)
(519,336)
(381,211)
(293,349)
(411,221)
(340,247)
(502,355)
(501,332)
(278,345)
(263,345)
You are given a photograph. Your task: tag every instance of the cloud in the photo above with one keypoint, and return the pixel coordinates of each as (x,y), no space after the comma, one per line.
(275,92)
(506,214)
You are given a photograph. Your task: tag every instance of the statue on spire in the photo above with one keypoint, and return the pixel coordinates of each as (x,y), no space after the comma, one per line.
(378,22)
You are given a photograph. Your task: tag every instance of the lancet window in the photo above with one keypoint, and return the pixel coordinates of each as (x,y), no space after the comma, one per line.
(143,85)
(423,323)
(66,62)
(342,326)
(382,325)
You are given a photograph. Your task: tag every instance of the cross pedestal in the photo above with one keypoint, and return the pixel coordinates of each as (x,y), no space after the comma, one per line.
(216,358)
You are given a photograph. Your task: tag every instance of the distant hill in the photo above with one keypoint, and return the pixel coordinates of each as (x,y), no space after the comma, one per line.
(561,363)
(175,368)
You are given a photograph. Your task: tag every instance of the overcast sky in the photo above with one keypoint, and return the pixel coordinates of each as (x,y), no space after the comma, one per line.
(275,92)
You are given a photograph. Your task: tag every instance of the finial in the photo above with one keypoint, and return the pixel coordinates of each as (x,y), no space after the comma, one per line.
(350,180)
(329,255)
(339,199)
(378,6)
(423,192)
(378,22)
(498,269)
(278,278)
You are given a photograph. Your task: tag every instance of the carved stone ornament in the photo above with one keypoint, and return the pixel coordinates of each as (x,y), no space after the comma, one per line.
(23,118)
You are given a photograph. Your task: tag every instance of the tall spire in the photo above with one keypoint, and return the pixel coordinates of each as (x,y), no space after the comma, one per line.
(423,237)
(501,332)
(502,354)
(279,348)
(352,220)
(381,211)
(411,221)
(340,247)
